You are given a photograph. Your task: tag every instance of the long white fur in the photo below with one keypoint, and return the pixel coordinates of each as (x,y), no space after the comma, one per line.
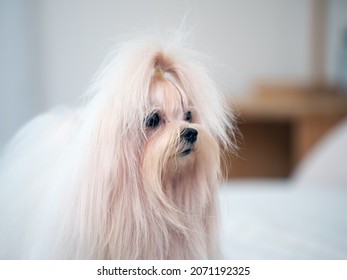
(95,183)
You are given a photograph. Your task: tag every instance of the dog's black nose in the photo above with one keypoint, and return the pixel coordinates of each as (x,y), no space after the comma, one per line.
(190,135)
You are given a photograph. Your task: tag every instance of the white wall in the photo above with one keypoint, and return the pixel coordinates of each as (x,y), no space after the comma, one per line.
(55,46)
(252,39)
(19,94)
(336,25)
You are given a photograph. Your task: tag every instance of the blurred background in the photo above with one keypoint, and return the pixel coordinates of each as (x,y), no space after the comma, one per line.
(279,61)
(282,65)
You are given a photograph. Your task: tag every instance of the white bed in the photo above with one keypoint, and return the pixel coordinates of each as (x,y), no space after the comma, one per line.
(280,220)
(304,217)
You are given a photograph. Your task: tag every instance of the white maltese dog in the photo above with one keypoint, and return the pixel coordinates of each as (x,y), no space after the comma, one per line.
(131,174)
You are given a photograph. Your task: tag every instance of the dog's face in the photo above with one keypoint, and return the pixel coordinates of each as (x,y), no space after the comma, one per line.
(171,110)
(176,142)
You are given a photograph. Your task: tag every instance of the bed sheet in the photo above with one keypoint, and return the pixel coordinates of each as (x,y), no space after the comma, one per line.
(275,219)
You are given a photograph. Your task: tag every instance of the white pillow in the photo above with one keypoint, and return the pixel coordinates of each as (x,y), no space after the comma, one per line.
(326,165)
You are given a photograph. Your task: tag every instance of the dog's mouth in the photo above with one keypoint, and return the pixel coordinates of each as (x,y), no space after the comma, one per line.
(187,151)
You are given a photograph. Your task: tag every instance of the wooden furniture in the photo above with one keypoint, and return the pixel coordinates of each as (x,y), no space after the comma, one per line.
(279,125)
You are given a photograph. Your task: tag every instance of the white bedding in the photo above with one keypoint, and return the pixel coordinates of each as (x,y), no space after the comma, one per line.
(280,220)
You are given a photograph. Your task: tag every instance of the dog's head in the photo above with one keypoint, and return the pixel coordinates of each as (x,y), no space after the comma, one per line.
(176,143)
(160,118)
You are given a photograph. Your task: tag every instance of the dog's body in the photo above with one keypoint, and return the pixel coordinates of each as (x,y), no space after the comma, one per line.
(132,174)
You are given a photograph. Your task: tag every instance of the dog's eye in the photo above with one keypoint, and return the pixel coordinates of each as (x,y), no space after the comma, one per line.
(188,116)
(152,120)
